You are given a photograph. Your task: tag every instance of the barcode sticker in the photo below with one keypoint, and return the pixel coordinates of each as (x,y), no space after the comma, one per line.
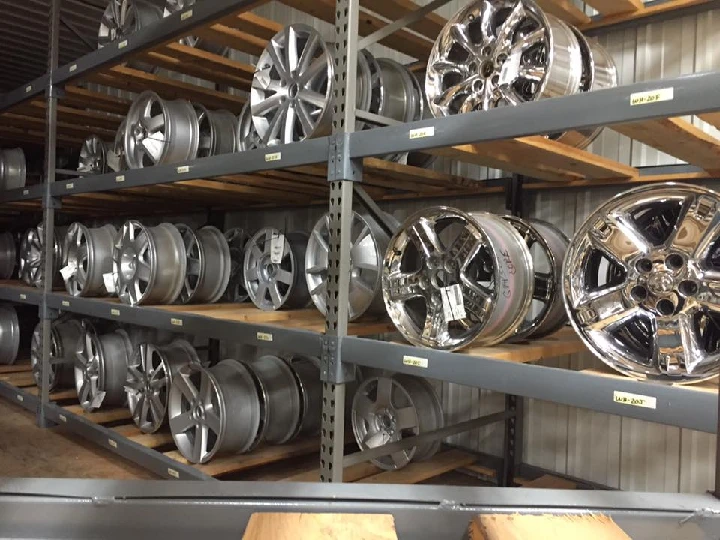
(68,271)
(112,443)
(415,361)
(176,322)
(62,418)
(276,156)
(73,68)
(65,303)
(26,192)
(109,280)
(173,473)
(635,400)
(70,185)
(186,15)
(122,44)
(23,296)
(421,133)
(277,248)
(453,305)
(120,178)
(115,312)
(184,169)
(262,336)
(28,88)
(652,96)
(20,398)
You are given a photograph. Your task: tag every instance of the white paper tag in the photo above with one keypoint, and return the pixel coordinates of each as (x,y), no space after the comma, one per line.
(453,305)
(415,361)
(635,400)
(113,161)
(653,96)
(68,271)
(421,133)
(109,280)
(173,473)
(275,156)
(277,248)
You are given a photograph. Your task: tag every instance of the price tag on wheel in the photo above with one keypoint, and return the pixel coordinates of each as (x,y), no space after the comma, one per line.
(68,271)
(109,280)
(277,248)
(453,305)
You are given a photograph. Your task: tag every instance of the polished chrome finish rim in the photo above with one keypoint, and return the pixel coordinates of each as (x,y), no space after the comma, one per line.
(501,52)
(369,243)
(9,334)
(13,168)
(641,282)
(173,6)
(124,17)
(213,411)
(160,132)
(149,263)
(217,132)
(32,255)
(208,265)
(247,136)
(272,286)
(150,375)
(90,257)
(400,100)
(237,239)
(387,409)
(8,255)
(441,253)
(116,159)
(101,366)
(281,396)
(292,88)
(64,336)
(547,245)
(93,156)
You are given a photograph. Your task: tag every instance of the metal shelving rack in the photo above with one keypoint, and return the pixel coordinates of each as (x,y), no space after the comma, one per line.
(343,152)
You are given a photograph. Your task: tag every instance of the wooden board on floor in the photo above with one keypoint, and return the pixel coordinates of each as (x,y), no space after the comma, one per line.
(531,527)
(420,471)
(149,440)
(290,526)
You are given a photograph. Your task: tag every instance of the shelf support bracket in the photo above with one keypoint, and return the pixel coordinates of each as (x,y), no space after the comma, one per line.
(340,166)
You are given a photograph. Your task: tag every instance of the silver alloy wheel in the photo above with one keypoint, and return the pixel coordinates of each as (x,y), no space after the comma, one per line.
(93,156)
(247,136)
(8,255)
(641,282)
(214,411)
(281,398)
(388,408)
(151,372)
(501,52)
(64,336)
(149,263)
(276,285)
(292,89)
(116,158)
(9,334)
(160,132)
(547,245)
(101,366)
(368,245)
(400,101)
(89,258)
(237,238)
(307,375)
(122,18)
(32,255)
(451,279)
(13,168)
(173,6)
(217,132)
(208,265)
(421,159)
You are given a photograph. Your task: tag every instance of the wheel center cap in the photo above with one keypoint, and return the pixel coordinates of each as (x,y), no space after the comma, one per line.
(661,283)
(293,90)
(387,420)
(487,68)
(198,413)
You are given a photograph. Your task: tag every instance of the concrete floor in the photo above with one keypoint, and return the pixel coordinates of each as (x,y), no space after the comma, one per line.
(27,451)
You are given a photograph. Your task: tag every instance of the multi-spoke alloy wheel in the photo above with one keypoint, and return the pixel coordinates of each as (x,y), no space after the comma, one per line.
(237,239)
(32,255)
(281,399)
(124,17)
(389,408)
(307,373)
(64,336)
(173,6)
(89,258)
(642,283)
(8,255)
(93,156)
(149,263)
(214,411)
(151,372)
(9,334)
(369,243)
(292,87)
(501,52)
(247,136)
(13,168)
(273,270)
(217,132)
(116,158)
(101,367)
(208,265)
(451,278)
(159,132)
(547,245)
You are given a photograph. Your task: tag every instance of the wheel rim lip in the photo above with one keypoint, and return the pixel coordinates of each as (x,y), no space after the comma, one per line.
(71,245)
(121,247)
(190,239)
(135,397)
(247,136)
(10,342)
(611,358)
(98,362)
(216,273)
(257,416)
(94,150)
(8,255)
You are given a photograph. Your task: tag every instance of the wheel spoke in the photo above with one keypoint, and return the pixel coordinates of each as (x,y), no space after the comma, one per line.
(283,276)
(157,409)
(602,303)
(313,98)
(306,122)
(373,440)
(533,73)
(507,29)
(262,291)
(205,390)
(291,49)
(405,286)
(289,127)
(384,391)
(619,237)
(315,68)
(363,406)
(308,53)
(423,235)
(697,227)
(436,327)
(320,289)
(187,388)
(459,34)
(530,40)
(144,271)
(275,295)
(274,50)
(213,422)
(544,287)
(464,248)
(182,422)
(200,444)
(406,418)
(268,104)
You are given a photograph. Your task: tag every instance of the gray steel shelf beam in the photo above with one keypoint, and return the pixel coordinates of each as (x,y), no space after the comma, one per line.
(691,94)
(284,339)
(674,405)
(20,295)
(277,157)
(22,194)
(29,90)
(19,396)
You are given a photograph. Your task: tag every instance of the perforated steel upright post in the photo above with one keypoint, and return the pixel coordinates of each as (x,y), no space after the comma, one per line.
(342,172)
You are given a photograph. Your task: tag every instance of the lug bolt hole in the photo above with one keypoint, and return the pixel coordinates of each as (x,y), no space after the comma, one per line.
(644,265)
(639,293)
(665,307)
(688,288)
(495,79)
(485,51)
(674,261)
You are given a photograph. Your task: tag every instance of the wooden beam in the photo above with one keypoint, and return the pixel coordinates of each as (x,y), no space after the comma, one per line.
(419,471)
(565,10)
(235,39)
(659,9)
(614,7)
(429,26)
(536,527)
(292,526)
(83,98)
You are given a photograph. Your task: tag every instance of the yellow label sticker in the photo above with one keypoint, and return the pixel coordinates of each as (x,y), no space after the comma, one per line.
(120,178)
(23,296)
(277,156)
(184,169)
(26,192)
(122,44)
(173,473)
(66,303)
(20,398)
(73,68)
(652,96)
(186,15)
(112,443)
(115,312)
(70,185)
(635,400)
(28,88)
(176,322)
(421,133)
(262,336)
(62,417)
(415,361)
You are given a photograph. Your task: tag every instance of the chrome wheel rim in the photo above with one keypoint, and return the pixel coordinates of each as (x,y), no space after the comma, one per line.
(13,168)
(272,286)
(641,282)
(9,335)
(93,156)
(387,409)
(89,256)
(368,245)
(441,254)
(124,17)
(216,131)
(208,265)
(292,87)
(8,255)
(247,136)
(237,240)
(159,132)
(501,52)
(150,375)
(64,335)
(149,263)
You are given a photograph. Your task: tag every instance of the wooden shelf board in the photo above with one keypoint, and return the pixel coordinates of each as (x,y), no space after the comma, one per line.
(420,471)
(642,13)
(562,343)
(565,10)
(103,416)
